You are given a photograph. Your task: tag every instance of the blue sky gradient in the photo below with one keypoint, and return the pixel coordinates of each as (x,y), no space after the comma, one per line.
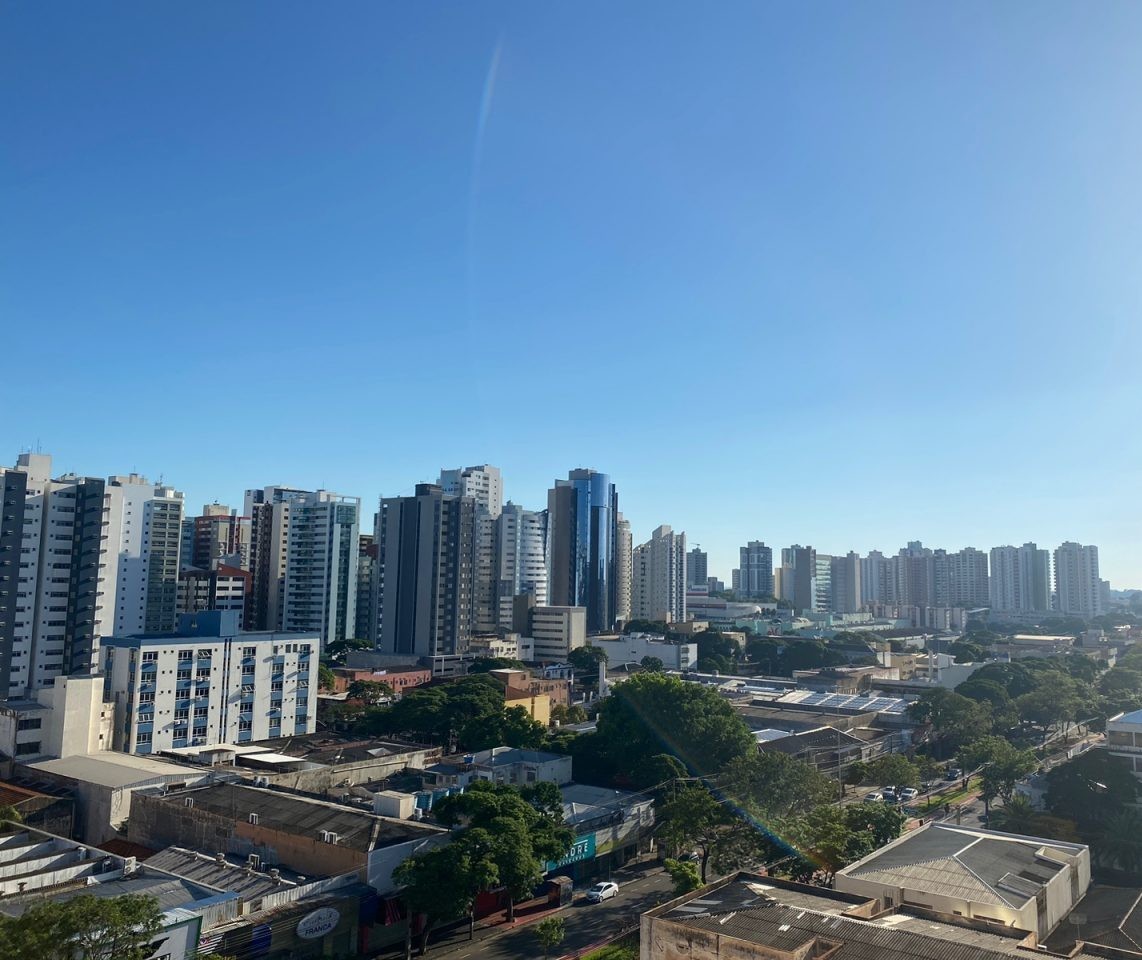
(841,274)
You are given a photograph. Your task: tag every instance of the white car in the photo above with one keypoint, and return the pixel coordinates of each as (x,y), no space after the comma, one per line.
(874,797)
(602,891)
(908,794)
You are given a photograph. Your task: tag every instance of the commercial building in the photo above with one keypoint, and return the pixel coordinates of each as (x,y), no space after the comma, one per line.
(1078,590)
(67,718)
(104,785)
(209,683)
(425,573)
(697,568)
(611,827)
(57,587)
(755,571)
(583,533)
(1026,883)
(630,648)
(658,582)
(1020,579)
(554,631)
(269,828)
(482,483)
(1124,739)
(751,917)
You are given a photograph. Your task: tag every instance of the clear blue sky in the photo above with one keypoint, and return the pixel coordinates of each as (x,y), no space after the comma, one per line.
(843,274)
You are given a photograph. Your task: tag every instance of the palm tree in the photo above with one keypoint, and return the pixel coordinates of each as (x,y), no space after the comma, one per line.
(1120,841)
(1017,815)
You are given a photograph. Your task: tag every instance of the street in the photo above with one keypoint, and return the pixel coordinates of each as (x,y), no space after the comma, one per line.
(587,923)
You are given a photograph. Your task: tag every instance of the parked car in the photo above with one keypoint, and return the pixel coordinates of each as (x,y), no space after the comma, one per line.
(888,794)
(873,797)
(908,794)
(602,891)
(954,773)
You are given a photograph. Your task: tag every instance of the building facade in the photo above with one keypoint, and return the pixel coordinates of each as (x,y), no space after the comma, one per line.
(209,683)
(624,569)
(698,568)
(1020,579)
(425,573)
(483,483)
(1078,590)
(658,581)
(583,533)
(845,573)
(755,571)
(57,586)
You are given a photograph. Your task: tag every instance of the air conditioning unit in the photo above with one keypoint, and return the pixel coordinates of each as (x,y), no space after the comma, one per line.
(253,862)
(253,818)
(261,781)
(188,801)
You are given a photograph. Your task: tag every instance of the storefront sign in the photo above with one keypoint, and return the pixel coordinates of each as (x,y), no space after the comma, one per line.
(582,849)
(315,925)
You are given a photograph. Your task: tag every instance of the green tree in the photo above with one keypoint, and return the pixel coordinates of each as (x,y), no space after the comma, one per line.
(654,664)
(441,885)
(893,769)
(1002,764)
(683,874)
(651,714)
(694,819)
(1119,842)
(882,821)
(524,836)
(9,814)
(369,691)
(825,842)
(1017,815)
(572,714)
(326,678)
(857,773)
(587,659)
(1091,789)
(1014,677)
(1048,708)
(775,787)
(550,932)
(952,718)
(647,626)
(338,650)
(485,664)
(83,928)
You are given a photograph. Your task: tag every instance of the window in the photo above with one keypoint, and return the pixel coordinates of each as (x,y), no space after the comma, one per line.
(184,655)
(24,749)
(143,738)
(29,723)
(151,656)
(183,673)
(249,651)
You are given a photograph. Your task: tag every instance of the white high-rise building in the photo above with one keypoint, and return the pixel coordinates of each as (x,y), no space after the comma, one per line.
(208,683)
(268,510)
(520,559)
(962,579)
(1077,586)
(483,483)
(624,558)
(1020,579)
(57,583)
(873,574)
(144,532)
(658,580)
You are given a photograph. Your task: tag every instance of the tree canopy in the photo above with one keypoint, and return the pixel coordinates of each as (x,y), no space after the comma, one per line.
(85,927)
(652,715)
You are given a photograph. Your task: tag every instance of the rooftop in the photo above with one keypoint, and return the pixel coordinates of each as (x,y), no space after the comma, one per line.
(302,816)
(980,866)
(789,917)
(222,874)
(110,769)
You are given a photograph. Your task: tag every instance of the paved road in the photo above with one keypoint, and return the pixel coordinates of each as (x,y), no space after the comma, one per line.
(587,923)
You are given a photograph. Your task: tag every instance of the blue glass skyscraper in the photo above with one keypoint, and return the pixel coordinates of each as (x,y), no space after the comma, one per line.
(582,515)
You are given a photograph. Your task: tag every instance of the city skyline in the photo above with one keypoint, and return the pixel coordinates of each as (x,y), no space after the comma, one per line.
(889,261)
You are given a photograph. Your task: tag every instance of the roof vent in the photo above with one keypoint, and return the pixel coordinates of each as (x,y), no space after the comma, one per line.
(253,818)
(188,801)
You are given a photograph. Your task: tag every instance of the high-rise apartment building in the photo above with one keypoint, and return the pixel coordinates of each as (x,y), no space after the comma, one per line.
(755,570)
(658,582)
(482,483)
(583,533)
(366,585)
(207,683)
(57,586)
(268,510)
(218,534)
(697,568)
(425,573)
(823,583)
(219,587)
(1078,590)
(624,569)
(1020,579)
(845,576)
(961,578)
(322,548)
(519,559)
(802,564)
(873,577)
(144,530)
